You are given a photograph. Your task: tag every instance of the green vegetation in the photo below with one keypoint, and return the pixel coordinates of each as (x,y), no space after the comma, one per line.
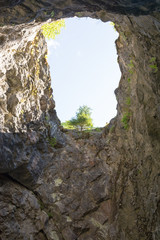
(154,64)
(125,120)
(52,141)
(154,67)
(126,116)
(113,24)
(52,14)
(97,129)
(153,59)
(42,206)
(79,14)
(68,125)
(46,118)
(82,121)
(130,70)
(131,66)
(50,215)
(50,30)
(128,101)
(112,128)
(123,36)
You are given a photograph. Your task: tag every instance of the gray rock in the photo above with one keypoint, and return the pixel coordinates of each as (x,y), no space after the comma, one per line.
(93,186)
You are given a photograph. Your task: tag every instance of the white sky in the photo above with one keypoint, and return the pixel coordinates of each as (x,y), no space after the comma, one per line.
(84,69)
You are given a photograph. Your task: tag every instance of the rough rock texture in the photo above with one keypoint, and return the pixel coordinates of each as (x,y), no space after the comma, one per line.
(90,186)
(26,10)
(19,209)
(27,116)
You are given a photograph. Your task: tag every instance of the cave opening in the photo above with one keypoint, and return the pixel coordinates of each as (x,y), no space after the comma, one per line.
(102,186)
(84,69)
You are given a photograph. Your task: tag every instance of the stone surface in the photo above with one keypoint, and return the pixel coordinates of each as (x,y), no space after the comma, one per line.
(27,116)
(20,214)
(24,11)
(88,186)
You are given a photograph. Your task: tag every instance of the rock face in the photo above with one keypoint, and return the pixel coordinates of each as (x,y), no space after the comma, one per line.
(91,186)
(26,11)
(28,119)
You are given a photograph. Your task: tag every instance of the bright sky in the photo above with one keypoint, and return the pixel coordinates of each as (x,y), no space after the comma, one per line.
(84,69)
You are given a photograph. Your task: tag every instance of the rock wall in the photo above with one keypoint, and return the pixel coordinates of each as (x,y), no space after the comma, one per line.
(24,11)
(28,119)
(60,185)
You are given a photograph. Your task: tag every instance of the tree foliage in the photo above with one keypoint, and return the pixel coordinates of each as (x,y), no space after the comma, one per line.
(82,121)
(50,30)
(68,125)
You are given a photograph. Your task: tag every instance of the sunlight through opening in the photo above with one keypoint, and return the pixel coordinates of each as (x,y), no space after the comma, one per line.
(84,69)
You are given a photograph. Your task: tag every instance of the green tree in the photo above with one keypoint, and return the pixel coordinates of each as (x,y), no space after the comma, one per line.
(67,125)
(50,30)
(82,121)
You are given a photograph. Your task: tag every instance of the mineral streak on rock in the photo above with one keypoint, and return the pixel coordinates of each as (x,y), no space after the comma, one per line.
(85,186)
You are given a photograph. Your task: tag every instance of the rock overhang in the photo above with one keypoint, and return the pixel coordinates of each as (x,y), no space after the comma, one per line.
(20,11)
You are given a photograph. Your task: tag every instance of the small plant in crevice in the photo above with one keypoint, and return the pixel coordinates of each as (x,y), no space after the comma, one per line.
(128,101)
(130,70)
(122,34)
(131,67)
(153,64)
(50,215)
(112,129)
(154,67)
(153,59)
(79,14)
(114,25)
(42,206)
(46,118)
(46,59)
(125,120)
(52,141)
(52,14)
